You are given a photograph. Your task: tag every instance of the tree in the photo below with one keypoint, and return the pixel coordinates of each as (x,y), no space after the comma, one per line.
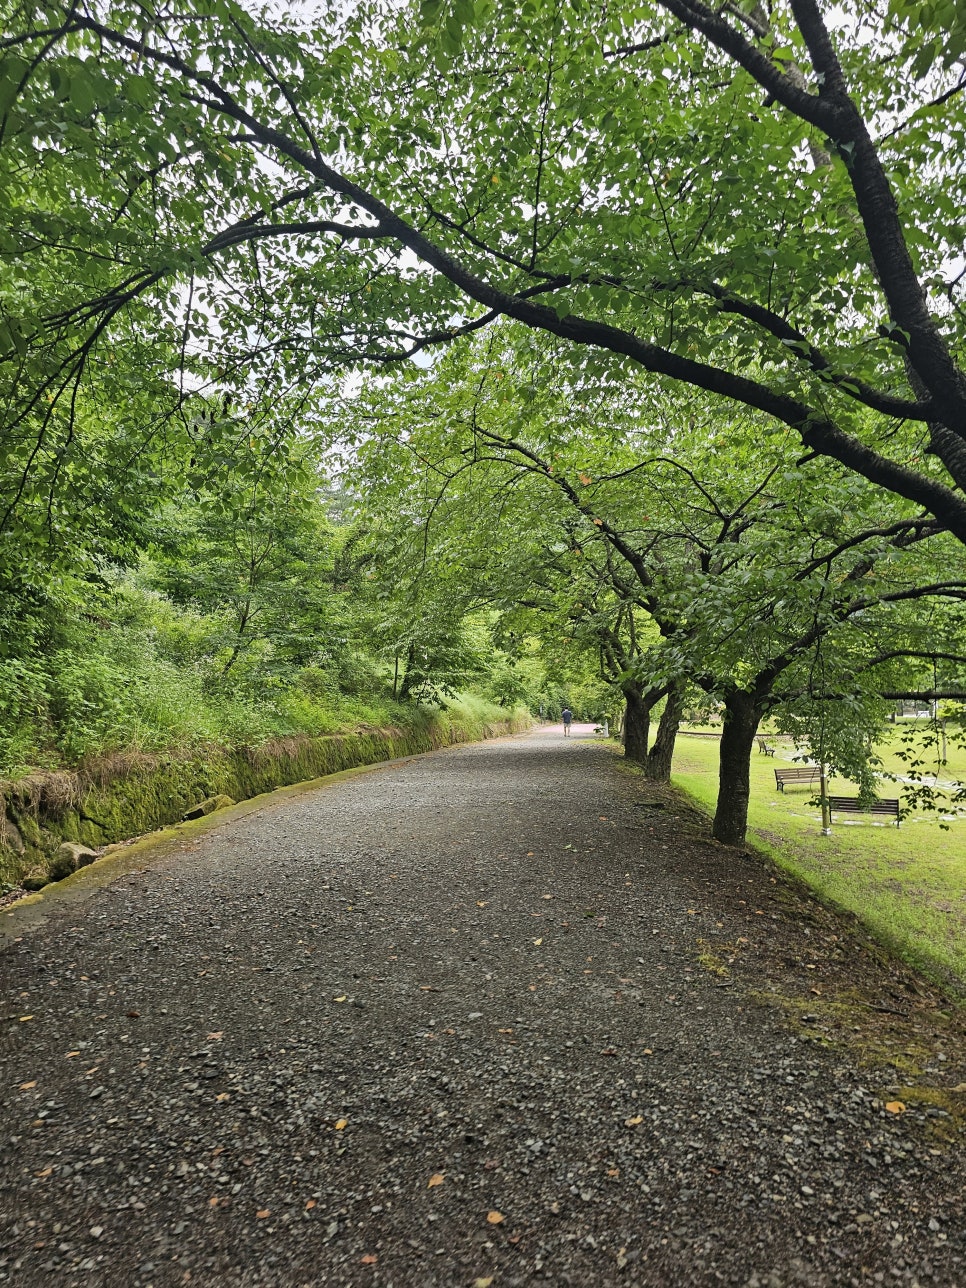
(745,562)
(765,207)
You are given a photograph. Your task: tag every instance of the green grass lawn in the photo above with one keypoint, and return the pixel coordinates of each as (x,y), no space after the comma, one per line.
(908,885)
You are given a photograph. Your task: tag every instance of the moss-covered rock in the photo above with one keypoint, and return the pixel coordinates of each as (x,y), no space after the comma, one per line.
(70,825)
(208,806)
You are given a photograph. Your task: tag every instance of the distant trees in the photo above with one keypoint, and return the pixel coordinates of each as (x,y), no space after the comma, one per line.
(723,565)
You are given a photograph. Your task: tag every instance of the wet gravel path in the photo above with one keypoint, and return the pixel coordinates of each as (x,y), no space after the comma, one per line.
(483,1017)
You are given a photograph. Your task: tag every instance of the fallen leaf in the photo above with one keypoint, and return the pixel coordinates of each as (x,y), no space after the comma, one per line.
(343,998)
(70,1055)
(895,1107)
(215,1037)
(481,903)
(223,1095)
(609,1051)
(310,1205)
(213,1202)
(25,1018)
(483,1281)
(369,1259)
(634,1122)
(613,1171)
(342,1124)
(538,942)
(495,1218)
(48,1171)
(263,1214)
(647,1051)
(133,1015)
(25,1086)
(434,1180)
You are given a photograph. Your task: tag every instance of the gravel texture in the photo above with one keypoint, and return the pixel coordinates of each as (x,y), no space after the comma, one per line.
(495,1015)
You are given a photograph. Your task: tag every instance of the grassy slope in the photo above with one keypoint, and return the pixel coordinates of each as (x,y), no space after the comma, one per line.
(908,885)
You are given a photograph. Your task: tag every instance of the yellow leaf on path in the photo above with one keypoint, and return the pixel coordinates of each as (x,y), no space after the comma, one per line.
(483,1281)
(634,1122)
(215,1037)
(342,1124)
(896,1107)
(495,1218)
(48,1171)
(481,903)
(25,1018)
(343,998)
(70,1055)
(434,1180)
(310,1205)
(263,1213)
(538,942)
(25,1086)
(223,1095)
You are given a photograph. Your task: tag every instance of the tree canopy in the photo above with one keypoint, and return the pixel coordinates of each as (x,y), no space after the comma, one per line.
(764,205)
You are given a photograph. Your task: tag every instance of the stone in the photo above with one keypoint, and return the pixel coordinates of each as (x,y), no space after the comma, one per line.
(207,806)
(36,879)
(10,837)
(69,857)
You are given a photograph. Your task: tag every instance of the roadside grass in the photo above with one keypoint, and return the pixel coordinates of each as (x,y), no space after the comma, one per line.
(907,885)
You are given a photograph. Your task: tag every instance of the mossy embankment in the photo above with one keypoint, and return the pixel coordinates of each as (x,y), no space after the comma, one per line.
(129,793)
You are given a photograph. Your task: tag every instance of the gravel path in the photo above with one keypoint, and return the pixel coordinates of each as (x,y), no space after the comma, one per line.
(494,1015)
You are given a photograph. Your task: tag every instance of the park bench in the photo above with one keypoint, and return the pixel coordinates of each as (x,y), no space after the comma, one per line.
(852,805)
(763,747)
(799,774)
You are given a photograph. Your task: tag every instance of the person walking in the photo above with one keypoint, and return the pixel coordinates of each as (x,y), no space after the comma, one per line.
(567,716)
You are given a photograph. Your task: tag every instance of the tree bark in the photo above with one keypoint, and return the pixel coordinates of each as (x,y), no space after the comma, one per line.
(657,767)
(637,722)
(742,717)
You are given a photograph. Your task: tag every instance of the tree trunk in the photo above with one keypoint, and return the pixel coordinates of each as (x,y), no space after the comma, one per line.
(742,716)
(407,683)
(657,767)
(637,723)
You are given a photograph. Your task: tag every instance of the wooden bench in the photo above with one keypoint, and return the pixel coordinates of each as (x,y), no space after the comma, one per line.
(800,774)
(763,748)
(852,805)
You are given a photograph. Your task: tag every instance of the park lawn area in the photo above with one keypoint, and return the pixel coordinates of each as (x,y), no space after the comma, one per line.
(907,885)
(953,770)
